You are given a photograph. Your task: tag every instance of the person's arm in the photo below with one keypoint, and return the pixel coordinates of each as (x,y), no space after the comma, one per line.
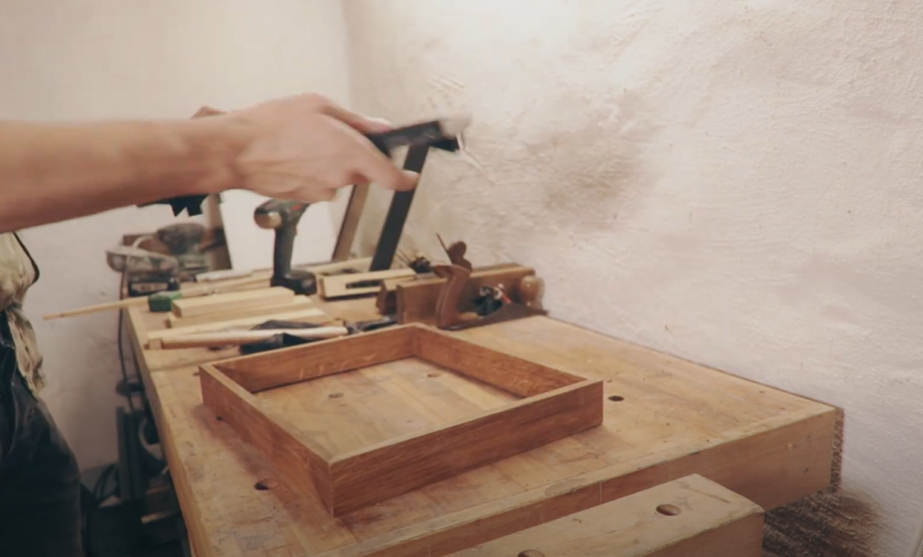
(297,148)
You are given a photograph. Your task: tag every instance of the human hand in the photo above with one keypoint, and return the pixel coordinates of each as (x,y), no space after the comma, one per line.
(307,147)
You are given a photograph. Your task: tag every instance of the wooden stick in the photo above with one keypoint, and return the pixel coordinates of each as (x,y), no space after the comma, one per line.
(127,302)
(350,225)
(237,338)
(189,292)
(231,301)
(313,315)
(259,278)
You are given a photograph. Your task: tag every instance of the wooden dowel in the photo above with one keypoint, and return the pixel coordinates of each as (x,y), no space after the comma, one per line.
(190,292)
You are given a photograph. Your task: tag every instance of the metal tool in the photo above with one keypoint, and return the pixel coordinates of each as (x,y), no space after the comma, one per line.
(444,134)
(494,304)
(146,272)
(184,241)
(283,217)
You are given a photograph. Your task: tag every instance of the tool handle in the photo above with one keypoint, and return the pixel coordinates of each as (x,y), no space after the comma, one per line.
(282,251)
(397,214)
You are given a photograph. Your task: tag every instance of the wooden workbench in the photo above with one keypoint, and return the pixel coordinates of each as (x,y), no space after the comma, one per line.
(668,418)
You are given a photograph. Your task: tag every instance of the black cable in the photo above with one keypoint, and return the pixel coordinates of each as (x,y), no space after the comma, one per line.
(126,384)
(100,486)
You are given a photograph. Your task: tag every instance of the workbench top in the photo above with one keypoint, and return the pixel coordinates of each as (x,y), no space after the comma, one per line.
(667,418)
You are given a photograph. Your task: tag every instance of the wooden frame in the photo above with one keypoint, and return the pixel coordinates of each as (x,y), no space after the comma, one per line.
(553,405)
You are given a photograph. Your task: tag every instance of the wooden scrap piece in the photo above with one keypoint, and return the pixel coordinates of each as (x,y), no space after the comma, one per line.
(311,315)
(231,301)
(298,303)
(237,338)
(360,284)
(688,517)
(337,266)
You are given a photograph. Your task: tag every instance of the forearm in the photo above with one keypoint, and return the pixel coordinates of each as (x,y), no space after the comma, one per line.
(53,172)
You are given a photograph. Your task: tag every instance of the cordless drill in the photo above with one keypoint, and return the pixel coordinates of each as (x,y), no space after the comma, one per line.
(283,216)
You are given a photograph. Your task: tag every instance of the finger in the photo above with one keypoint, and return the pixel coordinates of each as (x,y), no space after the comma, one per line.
(316,195)
(207,111)
(378,168)
(363,124)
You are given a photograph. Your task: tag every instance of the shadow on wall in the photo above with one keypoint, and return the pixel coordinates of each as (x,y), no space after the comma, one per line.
(831,523)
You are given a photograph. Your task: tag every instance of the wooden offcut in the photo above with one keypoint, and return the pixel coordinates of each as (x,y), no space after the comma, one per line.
(688,517)
(239,338)
(297,303)
(232,301)
(551,405)
(310,315)
(360,284)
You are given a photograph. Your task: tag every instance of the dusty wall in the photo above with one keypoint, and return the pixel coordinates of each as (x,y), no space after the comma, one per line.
(739,183)
(79,59)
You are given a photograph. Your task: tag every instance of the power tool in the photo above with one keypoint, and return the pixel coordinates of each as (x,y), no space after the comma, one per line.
(184,241)
(146,272)
(283,217)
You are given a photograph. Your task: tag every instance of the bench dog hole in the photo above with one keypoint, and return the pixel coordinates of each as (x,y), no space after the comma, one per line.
(265,485)
(669,510)
(616,398)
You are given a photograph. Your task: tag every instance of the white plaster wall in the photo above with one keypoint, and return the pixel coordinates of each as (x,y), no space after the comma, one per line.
(79,59)
(739,183)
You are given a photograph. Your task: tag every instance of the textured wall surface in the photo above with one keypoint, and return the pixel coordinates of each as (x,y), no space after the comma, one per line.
(739,183)
(77,59)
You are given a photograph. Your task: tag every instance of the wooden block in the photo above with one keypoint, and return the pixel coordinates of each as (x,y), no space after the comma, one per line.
(360,284)
(386,301)
(688,517)
(554,405)
(298,303)
(240,338)
(416,301)
(358,265)
(311,315)
(231,301)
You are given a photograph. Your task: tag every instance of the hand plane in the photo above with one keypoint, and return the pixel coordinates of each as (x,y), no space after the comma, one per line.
(493,304)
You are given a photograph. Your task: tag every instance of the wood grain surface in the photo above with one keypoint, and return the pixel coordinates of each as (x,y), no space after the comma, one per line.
(297,303)
(688,517)
(670,418)
(232,301)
